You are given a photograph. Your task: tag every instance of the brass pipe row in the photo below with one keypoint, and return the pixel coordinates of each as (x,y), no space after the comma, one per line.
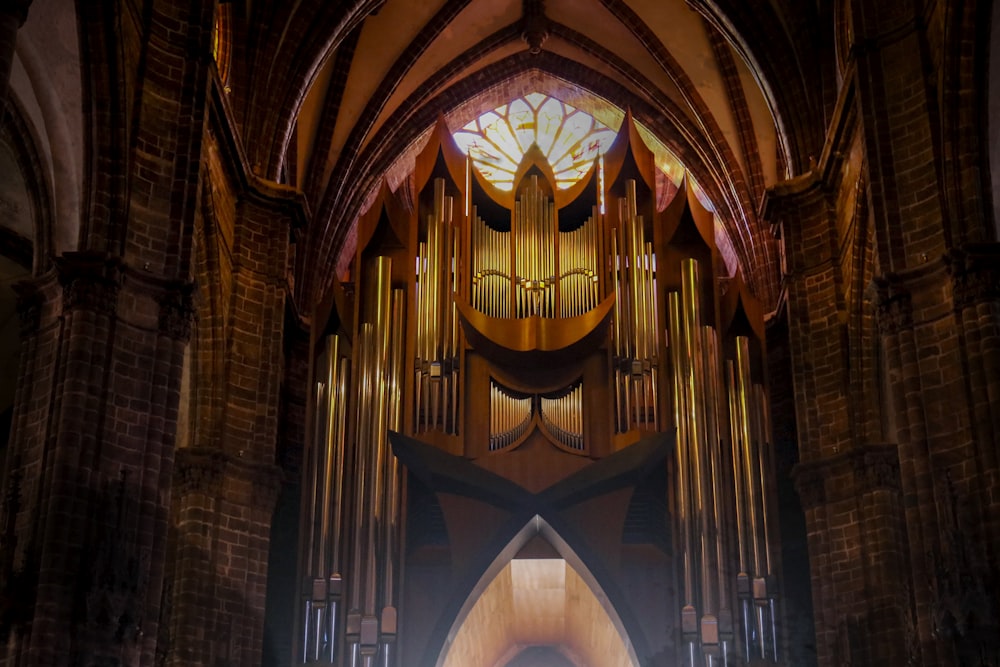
(636,319)
(491,273)
(437,322)
(328,496)
(375,473)
(750,506)
(535,230)
(563,416)
(316,481)
(323,554)
(699,416)
(380,313)
(509,417)
(578,255)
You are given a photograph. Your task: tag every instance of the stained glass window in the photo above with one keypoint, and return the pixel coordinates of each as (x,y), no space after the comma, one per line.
(569,138)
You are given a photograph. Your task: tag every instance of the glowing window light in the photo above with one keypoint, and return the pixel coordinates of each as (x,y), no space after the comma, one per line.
(569,139)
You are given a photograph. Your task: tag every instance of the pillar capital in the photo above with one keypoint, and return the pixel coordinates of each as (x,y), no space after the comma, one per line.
(90,280)
(975,274)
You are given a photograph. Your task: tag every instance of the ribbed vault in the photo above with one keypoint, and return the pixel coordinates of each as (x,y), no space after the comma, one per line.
(365,82)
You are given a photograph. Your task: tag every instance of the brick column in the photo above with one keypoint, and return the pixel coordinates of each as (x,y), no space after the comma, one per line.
(938,318)
(94,429)
(227,480)
(849,486)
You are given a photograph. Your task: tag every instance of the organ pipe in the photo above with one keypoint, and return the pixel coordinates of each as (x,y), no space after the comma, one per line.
(703,405)
(437,345)
(323,553)
(749,441)
(563,417)
(636,338)
(376,476)
(578,267)
(510,416)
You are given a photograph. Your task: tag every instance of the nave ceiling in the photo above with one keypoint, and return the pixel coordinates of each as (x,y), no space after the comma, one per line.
(332,98)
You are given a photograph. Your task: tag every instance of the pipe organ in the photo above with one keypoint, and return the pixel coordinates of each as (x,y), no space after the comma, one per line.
(510,416)
(514,327)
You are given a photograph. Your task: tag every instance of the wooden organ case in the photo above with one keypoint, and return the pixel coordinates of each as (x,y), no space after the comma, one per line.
(523,345)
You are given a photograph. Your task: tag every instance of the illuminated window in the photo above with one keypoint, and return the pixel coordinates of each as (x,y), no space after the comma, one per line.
(569,138)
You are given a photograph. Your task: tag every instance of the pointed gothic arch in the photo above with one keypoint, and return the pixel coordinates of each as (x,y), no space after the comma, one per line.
(582,572)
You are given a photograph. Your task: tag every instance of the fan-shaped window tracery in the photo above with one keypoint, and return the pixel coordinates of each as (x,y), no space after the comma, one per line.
(569,138)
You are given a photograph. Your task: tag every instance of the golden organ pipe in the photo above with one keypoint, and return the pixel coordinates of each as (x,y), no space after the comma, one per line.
(330,447)
(381,330)
(343,381)
(693,376)
(617,331)
(715,471)
(736,446)
(680,411)
(364,352)
(312,557)
(633,257)
(518,254)
(763,443)
(392,486)
(743,397)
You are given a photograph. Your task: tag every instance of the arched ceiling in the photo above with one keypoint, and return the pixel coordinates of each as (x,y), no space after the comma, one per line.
(333,97)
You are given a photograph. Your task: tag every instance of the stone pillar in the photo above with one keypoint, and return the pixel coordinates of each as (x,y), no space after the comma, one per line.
(92,450)
(849,485)
(938,317)
(227,480)
(94,428)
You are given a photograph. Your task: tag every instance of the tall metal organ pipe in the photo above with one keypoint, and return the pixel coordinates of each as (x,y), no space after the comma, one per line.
(636,337)
(436,358)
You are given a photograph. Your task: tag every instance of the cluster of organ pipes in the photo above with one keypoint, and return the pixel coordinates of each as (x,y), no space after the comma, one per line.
(370,522)
(491,282)
(751,464)
(578,267)
(436,385)
(703,404)
(324,586)
(563,417)
(555,273)
(635,337)
(374,530)
(510,416)
(534,229)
